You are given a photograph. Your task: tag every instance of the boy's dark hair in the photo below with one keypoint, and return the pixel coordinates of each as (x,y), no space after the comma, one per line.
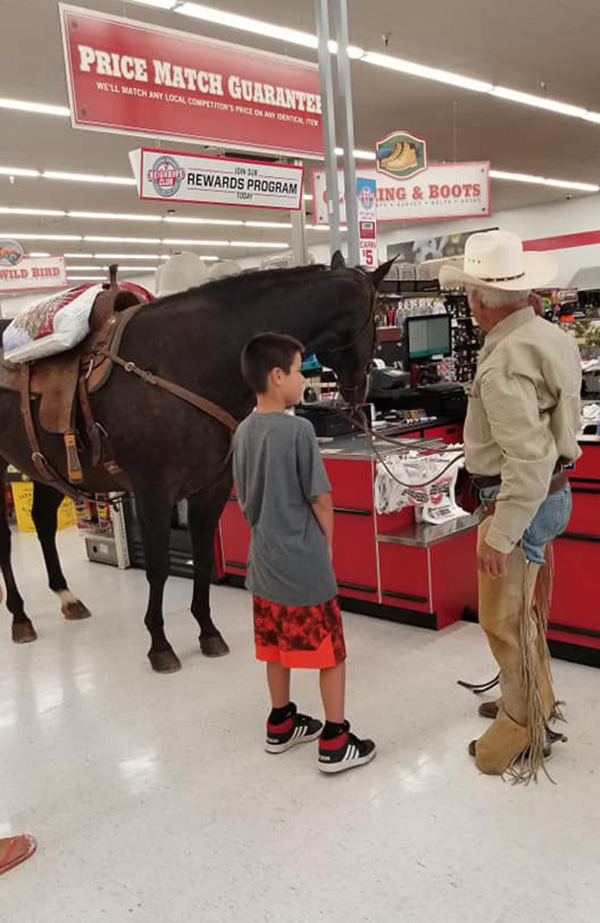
(266,352)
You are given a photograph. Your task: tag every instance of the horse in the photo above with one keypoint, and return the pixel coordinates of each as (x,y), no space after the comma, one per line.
(171,450)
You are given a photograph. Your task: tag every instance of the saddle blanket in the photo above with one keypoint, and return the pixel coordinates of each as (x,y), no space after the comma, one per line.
(52,325)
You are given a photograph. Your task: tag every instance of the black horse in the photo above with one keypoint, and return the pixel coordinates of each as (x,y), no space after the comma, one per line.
(169,449)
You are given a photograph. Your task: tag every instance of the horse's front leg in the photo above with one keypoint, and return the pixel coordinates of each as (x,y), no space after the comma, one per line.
(46,501)
(204,511)
(154,509)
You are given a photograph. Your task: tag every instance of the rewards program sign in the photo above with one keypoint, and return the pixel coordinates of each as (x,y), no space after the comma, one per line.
(443,190)
(137,78)
(183,177)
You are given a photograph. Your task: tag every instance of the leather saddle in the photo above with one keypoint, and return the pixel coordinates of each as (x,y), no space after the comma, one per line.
(62,383)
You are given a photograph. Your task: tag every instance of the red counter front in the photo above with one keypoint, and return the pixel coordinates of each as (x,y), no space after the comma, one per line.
(574,629)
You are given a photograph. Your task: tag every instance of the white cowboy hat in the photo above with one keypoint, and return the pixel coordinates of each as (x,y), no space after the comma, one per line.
(495,259)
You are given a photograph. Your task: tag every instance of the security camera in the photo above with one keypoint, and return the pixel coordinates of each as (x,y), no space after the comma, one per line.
(568,196)
(385,38)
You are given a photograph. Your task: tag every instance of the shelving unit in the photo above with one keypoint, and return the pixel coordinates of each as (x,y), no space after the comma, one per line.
(465,339)
(102,524)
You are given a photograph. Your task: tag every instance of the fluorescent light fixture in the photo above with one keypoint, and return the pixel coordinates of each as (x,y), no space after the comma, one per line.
(358,155)
(124,268)
(31,211)
(159,4)
(231,222)
(246,24)
(205,259)
(540,102)
(134,268)
(543,181)
(354,52)
(260,244)
(592,117)
(186,242)
(19,236)
(267,224)
(18,171)
(37,253)
(122,240)
(120,256)
(114,216)
(88,178)
(79,256)
(567,184)
(429,73)
(20,105)
(86,278)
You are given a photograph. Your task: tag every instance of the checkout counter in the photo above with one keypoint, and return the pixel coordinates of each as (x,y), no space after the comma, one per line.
(386,565)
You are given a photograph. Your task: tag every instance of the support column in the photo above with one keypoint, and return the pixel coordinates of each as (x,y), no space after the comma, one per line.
(347,122)
(331,173)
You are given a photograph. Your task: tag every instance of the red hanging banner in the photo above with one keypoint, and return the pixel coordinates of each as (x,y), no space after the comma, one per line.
(135,78)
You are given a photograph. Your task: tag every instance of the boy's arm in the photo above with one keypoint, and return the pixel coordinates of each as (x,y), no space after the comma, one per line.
(238,473)
(323,510)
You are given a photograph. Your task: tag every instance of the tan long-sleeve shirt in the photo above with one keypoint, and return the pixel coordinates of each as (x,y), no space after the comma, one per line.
(524,416)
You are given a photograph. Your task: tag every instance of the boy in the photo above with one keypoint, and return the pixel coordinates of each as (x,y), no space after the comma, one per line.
(285,495)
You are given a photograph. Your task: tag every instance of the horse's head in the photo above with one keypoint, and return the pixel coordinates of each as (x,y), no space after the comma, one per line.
(352,353)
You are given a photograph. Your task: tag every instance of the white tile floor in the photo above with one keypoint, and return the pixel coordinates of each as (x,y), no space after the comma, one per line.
(152,799)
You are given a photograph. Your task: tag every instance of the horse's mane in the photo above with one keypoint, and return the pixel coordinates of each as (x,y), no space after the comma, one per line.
(246,283)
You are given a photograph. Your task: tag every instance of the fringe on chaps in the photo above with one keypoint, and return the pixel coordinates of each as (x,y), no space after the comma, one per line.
(513,611)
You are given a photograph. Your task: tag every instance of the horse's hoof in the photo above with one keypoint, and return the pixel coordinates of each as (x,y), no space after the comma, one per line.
(215,646)
(164,661)
(23,632)
(75,611)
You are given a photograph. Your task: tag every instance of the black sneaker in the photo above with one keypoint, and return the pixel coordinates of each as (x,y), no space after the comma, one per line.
(296,729)
(345,751)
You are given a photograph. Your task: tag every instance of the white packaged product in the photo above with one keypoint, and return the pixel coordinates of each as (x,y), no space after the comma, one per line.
(52,325)
(403,481)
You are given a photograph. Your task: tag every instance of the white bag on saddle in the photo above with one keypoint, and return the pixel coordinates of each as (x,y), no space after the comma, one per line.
(52,325)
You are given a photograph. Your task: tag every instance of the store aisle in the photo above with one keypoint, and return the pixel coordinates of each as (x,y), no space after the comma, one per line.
(152,799)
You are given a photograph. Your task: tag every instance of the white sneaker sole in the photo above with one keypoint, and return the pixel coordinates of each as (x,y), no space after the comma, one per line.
(351,764)
(282,748)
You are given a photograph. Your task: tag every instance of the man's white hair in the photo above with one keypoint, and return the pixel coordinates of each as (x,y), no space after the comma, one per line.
(498,298)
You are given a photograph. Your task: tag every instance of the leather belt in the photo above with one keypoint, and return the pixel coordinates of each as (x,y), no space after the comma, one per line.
(481,481)
(559,482)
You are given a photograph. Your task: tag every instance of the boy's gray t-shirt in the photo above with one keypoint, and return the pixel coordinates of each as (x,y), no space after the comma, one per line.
(279,473)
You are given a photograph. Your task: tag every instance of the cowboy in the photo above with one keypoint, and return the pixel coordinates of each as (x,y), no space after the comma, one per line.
(520,433)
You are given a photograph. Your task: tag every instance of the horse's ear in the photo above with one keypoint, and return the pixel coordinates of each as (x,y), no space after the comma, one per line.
(338,261)
(381,272)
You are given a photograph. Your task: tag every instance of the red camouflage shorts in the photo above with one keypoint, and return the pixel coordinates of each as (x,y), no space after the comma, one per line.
(299,636)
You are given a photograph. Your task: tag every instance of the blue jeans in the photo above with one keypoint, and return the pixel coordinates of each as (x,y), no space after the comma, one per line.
(549,522)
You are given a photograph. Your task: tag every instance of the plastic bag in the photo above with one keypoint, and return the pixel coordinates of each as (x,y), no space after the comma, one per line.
(52,325)
(435,501)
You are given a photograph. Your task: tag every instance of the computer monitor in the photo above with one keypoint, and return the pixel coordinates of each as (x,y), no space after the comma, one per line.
(428,336)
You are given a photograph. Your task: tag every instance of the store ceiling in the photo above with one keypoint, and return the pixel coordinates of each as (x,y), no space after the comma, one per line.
(535,46)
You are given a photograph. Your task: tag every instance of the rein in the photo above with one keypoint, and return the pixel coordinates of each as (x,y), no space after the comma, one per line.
(359,416)
(201,403)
